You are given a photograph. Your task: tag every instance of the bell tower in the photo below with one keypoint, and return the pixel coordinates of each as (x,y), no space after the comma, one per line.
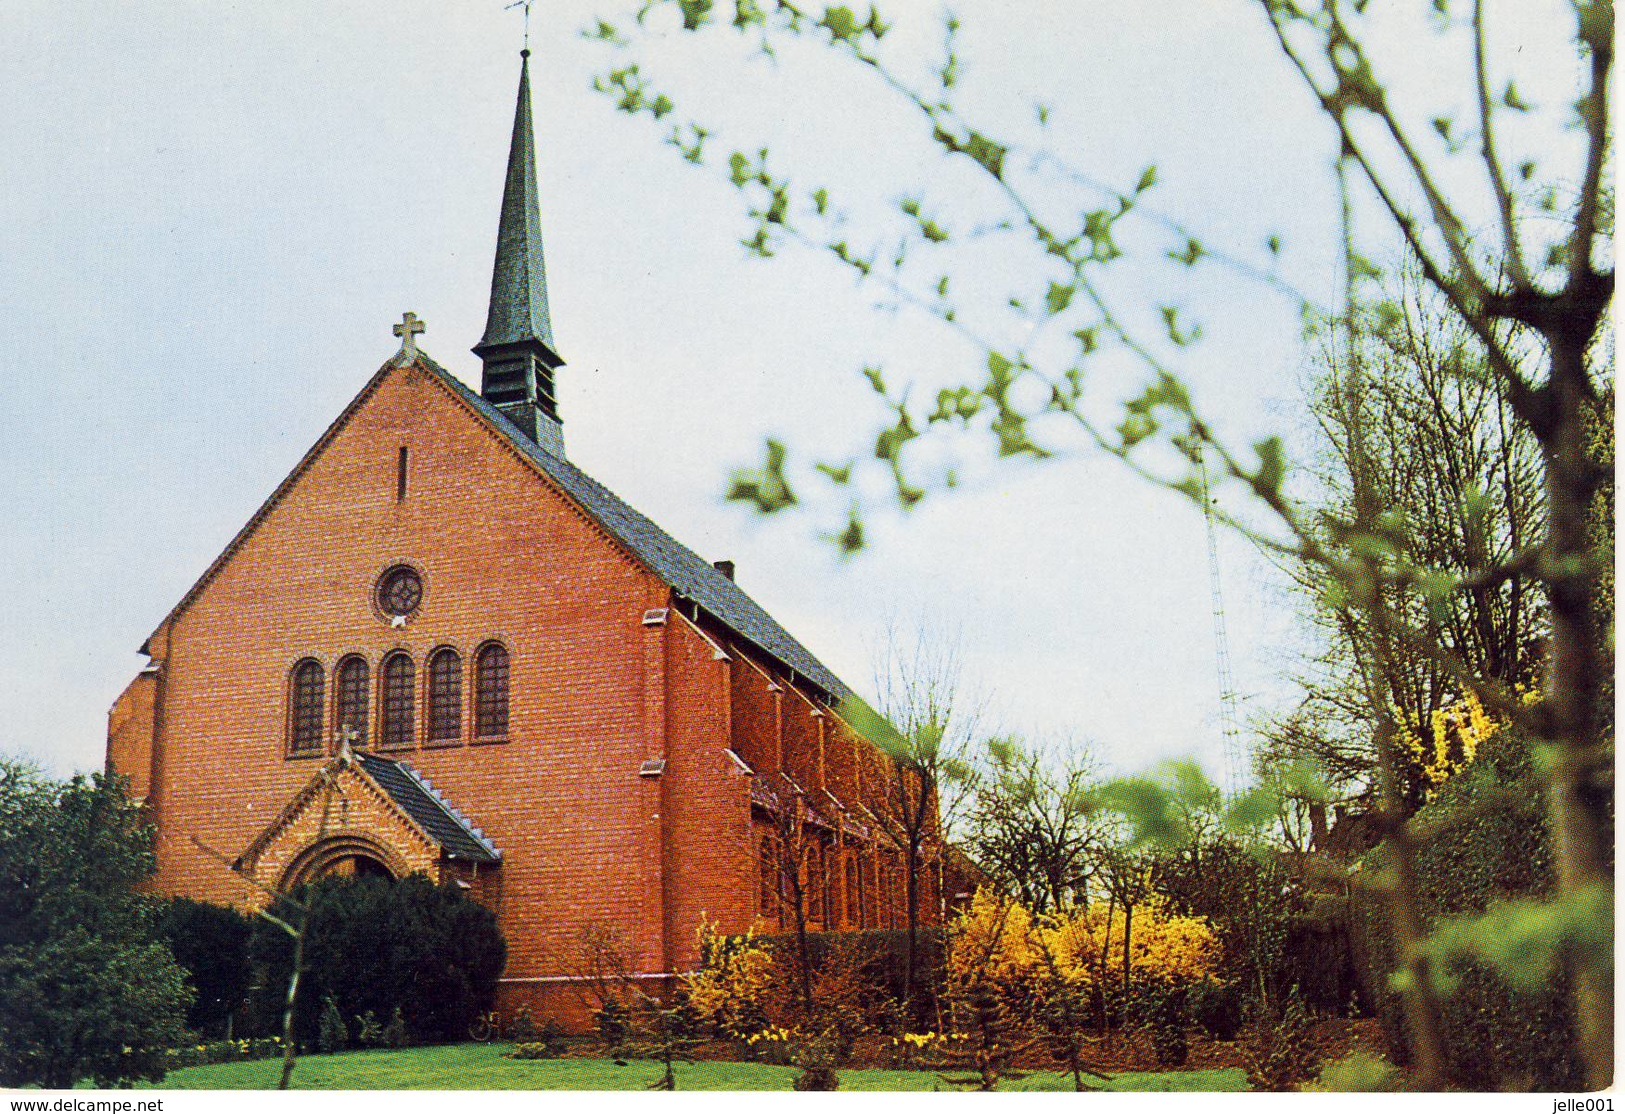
(517,349)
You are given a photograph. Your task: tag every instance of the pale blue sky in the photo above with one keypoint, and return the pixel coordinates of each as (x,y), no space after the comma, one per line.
(211,214)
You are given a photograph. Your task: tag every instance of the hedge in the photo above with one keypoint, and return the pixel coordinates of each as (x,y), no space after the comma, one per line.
(888,951)
(1496,847)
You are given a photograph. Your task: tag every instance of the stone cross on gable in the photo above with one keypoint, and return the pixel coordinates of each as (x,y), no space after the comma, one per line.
(408,331)
(347,737)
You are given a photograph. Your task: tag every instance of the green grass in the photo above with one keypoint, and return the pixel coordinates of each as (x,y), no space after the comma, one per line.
(478,1067)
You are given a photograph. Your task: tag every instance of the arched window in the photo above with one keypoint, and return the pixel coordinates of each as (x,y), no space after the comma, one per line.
(396,709)
(306,703)
(491,692)
(351,680)
(445,695)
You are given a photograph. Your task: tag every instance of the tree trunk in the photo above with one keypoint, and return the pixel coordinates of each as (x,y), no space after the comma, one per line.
(1128,938)
(1580,790)
(289,1053)
(911,957)
(1105,957)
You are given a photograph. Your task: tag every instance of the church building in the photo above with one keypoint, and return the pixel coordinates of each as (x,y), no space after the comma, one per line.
(440,647)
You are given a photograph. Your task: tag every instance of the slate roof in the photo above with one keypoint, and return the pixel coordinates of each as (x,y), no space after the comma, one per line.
(439,820)
(518,311)
(691,576)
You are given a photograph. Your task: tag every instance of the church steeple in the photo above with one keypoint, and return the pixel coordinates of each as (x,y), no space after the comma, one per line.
(517,348)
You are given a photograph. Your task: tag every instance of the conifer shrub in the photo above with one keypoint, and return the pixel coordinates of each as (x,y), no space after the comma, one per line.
(1216,1008)
(409,948)
(1162,1012)
(210,942)
(331,1033)
(1280,1050)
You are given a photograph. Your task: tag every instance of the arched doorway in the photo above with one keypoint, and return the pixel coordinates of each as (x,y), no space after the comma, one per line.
(341,857)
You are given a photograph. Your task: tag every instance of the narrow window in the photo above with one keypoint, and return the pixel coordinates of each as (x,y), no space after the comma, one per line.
(305,708)
(400,474)
(863,895)
(813,892)
(491,692)
(768,901)
(396,714)
(445,695)
(853,892)
(351,714)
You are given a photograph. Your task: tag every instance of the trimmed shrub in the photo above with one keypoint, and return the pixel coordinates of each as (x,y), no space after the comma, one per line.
(523,1026)
(210,942)
(613,1023)
(1280,1049)
(817,1079)
(1163,1013)
(1216,1007)
(535,1050)
(411,948)
(394,1034)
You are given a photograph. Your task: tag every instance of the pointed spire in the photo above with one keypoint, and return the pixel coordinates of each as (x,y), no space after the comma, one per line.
(517,348)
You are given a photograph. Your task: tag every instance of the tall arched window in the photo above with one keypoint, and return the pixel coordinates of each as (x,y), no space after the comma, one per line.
(396,709)
(351,680)
(306,701)
(491,692)
(445,695)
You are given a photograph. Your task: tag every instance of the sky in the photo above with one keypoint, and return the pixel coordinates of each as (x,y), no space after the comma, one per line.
(211,214)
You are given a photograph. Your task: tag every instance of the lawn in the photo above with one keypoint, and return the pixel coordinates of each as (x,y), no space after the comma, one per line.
(478,1067)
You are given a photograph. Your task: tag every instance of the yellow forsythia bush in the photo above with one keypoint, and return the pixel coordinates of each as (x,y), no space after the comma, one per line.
(999,940)
(730,990)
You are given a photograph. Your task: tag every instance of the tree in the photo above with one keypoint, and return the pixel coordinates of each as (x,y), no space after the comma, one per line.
(1442,446)
(88,989)
(794,858)
(1031,825)
(924,728)
(1533,294)
(631,1020)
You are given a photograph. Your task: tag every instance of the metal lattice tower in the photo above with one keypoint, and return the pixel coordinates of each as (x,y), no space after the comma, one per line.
(1235,750)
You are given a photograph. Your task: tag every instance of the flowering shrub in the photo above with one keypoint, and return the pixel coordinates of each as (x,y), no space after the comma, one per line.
(999,941)
(1448,742)
(921,1049)
(731,989)
(224,1052)
(774,1044)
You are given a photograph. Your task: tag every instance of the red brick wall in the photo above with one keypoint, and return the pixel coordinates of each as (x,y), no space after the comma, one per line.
(755,727)
(129,732)
(595,694)
(802,757)
(711,869)
(503,556)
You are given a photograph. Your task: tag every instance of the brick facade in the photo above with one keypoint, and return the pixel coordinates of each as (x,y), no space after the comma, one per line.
(622,792)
